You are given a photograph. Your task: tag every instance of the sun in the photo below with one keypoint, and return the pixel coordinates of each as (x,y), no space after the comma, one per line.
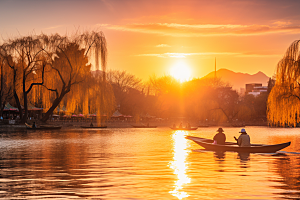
(181,71)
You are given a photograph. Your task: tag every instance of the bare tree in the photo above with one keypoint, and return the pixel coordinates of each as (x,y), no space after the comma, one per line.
(122,82)
(226,100)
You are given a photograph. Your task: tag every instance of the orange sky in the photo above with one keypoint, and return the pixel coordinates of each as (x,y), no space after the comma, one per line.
(150,37)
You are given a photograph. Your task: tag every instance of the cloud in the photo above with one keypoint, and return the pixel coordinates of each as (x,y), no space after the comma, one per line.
(162,45)
(259,55)
(282,23)
(54,27)
(205,54)
(197,30)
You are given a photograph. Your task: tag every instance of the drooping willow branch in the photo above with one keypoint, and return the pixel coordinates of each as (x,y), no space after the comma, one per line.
(24,54)
(284,99)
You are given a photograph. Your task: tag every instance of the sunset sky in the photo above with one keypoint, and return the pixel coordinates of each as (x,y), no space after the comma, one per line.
(151,37)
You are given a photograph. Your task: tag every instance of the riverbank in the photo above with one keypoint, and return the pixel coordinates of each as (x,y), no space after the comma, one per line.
(118,124)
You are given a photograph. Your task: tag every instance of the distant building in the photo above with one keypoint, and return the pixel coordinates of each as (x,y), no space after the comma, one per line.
(255,89)
(250,87)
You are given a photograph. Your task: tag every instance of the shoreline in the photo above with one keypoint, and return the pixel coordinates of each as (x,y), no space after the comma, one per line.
(120,124)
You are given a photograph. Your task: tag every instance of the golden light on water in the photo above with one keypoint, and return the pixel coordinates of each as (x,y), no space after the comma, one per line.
(181,71)
(179,164)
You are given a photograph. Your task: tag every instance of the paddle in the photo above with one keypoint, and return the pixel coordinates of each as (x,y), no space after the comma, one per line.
(28,125)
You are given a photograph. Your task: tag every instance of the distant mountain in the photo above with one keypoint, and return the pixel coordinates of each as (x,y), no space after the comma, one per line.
(238,80)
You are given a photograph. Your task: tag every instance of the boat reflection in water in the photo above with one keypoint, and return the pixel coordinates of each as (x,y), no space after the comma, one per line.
(179,164)
(244,156)
(220,155)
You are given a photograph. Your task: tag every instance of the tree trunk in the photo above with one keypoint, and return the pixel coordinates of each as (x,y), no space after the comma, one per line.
(19,106)
(25,107)
(55,103)
(16,96)
(1,92)
(2,108)
(25,98)
(52,108)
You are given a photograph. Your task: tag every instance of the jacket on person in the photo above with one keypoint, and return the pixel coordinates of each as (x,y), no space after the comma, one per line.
(220,138)
(244,140)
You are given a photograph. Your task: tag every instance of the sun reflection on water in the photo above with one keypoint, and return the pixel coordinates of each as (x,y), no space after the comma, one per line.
(179,164)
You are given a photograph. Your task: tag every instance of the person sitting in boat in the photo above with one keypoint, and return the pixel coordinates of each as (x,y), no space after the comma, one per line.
(188,125)
(91,125)
(244,139)
(33,125)
(220,137)
(180,125)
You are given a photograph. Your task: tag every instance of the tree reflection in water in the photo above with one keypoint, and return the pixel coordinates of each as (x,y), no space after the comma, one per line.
(288,167)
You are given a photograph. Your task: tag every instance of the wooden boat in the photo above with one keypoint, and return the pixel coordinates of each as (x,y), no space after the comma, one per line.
(184,129)
(42,127)
(143,126)
(93,126)
(231,146)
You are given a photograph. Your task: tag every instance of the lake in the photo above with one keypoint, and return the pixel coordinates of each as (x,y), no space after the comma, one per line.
(156,163)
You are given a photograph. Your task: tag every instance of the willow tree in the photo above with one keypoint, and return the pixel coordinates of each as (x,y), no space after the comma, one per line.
(31,57)
(284,98)
(101,97)
(71,70)
(27,58)
(5,84)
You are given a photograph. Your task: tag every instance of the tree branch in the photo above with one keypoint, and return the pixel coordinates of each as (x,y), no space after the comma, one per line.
(52,90)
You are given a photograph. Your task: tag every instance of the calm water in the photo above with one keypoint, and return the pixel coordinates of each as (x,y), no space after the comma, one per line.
(144,164)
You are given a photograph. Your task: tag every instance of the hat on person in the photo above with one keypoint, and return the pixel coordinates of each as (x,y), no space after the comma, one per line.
(220,130)
(243,130)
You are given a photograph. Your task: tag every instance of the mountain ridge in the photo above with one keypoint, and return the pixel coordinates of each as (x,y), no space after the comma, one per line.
(238,80)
